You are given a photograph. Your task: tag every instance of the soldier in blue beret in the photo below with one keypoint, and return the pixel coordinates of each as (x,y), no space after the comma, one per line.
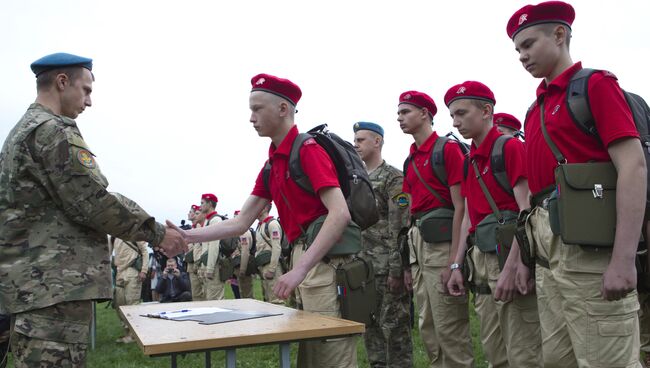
(56,213)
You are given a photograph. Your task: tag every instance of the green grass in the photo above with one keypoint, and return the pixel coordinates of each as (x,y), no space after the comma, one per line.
(109,354)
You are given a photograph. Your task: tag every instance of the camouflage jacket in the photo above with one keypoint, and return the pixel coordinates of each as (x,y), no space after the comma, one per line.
(380,243)
(55,213)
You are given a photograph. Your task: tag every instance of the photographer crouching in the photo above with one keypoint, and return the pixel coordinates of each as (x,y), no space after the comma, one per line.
(174,286)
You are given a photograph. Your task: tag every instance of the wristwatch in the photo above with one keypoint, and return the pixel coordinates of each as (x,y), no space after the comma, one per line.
(455,266)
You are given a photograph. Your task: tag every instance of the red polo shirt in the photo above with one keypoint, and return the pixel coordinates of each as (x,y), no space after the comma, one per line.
(422,199)
(611,113)
(478,206)
(302,207)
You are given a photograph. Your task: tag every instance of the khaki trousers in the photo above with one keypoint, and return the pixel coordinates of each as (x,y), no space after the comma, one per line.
(213,289)
(444,319)
(245,286)
(580,328)
(317,293)
(267,285)
(195,282)
(510,332)
(128,289)
(644,322)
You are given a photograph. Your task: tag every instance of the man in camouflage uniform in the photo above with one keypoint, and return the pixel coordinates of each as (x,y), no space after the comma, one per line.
(55,213)
(132,263)
(269,235)
(388,339)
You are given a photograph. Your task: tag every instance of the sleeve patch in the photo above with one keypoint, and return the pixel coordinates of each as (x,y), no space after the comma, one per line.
(402,200)
(275,234)
(86,159)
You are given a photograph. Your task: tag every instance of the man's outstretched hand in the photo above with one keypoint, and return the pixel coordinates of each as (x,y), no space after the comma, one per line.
(173,243)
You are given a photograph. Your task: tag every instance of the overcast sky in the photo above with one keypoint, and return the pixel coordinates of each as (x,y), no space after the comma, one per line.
(170,113)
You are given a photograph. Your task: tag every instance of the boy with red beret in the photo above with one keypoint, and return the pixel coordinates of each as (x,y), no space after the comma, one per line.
(509,322)
(506,123)
(443,318)
(273,104)
(587,296)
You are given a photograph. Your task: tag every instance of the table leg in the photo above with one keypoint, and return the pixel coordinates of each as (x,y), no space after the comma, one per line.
(208,359)
(174,360)
(231,358)
(285,357)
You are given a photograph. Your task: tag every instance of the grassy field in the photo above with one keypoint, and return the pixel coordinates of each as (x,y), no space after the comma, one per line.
(109,354)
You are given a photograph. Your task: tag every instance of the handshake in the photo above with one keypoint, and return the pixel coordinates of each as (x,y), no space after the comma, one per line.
(174,242)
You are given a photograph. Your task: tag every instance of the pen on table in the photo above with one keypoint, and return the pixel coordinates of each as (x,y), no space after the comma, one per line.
(178,311)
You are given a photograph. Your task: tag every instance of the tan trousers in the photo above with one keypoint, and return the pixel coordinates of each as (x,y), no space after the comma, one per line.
(213,289)
(245,286)
(195,282)
(444,319)
(644,322)
(580,328)
(128,289)
(267,285)
(317,293)
(510,332)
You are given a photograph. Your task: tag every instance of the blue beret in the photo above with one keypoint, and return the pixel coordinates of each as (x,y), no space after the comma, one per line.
(58,60)
(363,125)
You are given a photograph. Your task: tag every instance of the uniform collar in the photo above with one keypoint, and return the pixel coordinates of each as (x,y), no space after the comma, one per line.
(66,120)
(560,82)
(285,146)
(484,149)
(211,215)
(426,146)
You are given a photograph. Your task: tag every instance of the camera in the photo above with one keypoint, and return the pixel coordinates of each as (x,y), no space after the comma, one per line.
(170,270)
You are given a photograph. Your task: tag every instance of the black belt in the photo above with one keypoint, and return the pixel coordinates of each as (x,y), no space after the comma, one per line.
(538,198)
(542,262)
(483,289)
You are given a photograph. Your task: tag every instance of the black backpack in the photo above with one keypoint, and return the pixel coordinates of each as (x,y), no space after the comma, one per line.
(580,111)
(437,159)
(497,164)
(227,246)
(352,175)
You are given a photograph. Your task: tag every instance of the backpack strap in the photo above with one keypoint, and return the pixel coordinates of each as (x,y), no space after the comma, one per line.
(431,190)
(295,166)
(556,151)
(486,193)
(498,163)
(577,99)
(438,160)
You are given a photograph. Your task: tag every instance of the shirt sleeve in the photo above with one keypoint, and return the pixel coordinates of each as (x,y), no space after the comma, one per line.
(260,190)
(515,161)
(80,188)
(398,218)
(453,163)
(609,108)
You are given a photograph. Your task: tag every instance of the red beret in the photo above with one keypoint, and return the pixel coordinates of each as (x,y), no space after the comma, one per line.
(278,86)
(469,89)
(547,12)
(507,120)
(195,207)
(419,99)
(210,197)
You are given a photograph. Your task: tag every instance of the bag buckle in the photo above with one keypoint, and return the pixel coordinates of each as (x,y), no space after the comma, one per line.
(598,191)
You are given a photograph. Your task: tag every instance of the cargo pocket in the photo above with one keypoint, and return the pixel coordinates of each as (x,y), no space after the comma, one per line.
(579,259)
(612,332)
(525,312)
(453,309)
(318,291)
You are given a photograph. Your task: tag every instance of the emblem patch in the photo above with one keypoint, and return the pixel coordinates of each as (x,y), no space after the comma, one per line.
(260,81)
(461,90)
(523,18)
(244,241)
(402,200)
(86,159)
(275,234)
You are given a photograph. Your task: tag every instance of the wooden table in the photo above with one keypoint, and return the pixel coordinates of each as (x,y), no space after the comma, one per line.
(158,337)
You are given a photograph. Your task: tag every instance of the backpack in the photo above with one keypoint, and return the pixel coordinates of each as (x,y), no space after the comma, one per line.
(497,164)
(227,246)
(284,243)
(580,111)
(253,247)
(351,170)
(437,157)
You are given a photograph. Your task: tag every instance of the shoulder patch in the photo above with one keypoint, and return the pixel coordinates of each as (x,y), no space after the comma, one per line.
(275,234)
(86,159)
(309,142)
(402,200)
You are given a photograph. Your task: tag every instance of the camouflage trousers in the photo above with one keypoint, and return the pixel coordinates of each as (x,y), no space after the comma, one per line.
(55,336)
(388,339)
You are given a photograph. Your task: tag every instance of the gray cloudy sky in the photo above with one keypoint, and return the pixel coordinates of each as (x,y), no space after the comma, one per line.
(169,119)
